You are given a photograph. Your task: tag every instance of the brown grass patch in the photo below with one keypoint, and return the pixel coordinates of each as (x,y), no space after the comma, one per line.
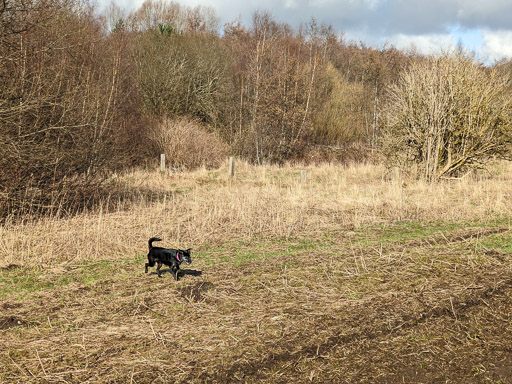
(205,207)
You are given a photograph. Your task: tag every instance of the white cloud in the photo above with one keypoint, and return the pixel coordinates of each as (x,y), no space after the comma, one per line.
(320,3)
(373,4)
(426,44)
(290,4)
(497,45)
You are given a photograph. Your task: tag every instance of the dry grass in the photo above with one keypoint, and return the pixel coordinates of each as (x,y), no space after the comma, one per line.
(205,207)
(346,278)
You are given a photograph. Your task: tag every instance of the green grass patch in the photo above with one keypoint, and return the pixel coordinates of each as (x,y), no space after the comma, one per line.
(24,282)
(500,242)
(242,252)
(21,281)
(245,251)
(406,231)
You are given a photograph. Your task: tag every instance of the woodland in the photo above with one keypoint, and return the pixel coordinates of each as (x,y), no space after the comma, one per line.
(84,95)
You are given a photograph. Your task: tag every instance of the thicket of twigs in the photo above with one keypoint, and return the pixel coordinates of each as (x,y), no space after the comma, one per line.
(448,116)
(84,95)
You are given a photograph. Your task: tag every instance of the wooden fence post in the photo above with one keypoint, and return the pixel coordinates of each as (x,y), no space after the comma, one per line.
(162,162)
(303,175)
(231,166)
(395,174)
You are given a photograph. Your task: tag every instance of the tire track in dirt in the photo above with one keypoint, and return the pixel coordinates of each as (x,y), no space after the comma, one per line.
(366,322)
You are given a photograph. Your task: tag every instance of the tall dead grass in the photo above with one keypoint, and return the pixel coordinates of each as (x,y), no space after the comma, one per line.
(206,207)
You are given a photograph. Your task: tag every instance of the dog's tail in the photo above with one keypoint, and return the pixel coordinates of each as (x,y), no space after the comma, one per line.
(150,242)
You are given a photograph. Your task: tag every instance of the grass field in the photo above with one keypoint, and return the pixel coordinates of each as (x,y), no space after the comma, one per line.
(348,277)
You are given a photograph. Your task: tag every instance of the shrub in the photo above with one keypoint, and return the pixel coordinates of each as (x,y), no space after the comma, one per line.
(187,144)
(448,115)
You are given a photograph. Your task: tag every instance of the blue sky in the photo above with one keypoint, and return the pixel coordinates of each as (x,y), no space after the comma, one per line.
(470,38)
(484,27)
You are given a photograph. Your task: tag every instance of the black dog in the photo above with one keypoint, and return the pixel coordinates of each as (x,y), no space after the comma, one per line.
(171,257)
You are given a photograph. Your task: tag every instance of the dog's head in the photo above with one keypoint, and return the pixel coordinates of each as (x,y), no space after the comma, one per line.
(184,256)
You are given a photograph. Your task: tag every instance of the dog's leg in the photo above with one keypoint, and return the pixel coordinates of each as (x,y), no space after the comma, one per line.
(150,263)
(158,269)
(174,271)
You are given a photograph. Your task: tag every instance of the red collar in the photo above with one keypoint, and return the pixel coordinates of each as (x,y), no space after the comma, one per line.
(178,256)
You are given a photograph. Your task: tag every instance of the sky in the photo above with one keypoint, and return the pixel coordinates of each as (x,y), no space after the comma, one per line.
(482,26)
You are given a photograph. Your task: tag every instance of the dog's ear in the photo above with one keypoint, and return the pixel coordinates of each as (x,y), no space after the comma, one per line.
(188,250)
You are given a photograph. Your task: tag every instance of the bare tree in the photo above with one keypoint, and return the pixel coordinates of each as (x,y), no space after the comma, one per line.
(59,105)
(448,114)
(276,75)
